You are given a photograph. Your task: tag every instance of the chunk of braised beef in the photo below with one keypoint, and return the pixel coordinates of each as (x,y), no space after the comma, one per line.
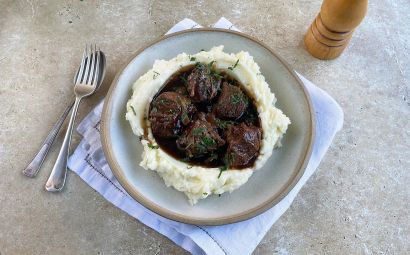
(243,144)
(200,138)
(222,125)
(169,112)
(201,85)
(181,90)
(231,103)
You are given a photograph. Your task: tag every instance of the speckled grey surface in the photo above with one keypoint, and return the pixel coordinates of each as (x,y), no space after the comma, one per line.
(356,203)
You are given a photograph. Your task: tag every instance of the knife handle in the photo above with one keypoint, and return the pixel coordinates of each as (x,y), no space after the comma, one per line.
(34,166)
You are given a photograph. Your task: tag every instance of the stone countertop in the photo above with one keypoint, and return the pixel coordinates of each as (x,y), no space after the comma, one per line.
(356,203)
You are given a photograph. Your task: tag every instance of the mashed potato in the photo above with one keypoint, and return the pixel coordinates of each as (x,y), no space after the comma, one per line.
(195,181)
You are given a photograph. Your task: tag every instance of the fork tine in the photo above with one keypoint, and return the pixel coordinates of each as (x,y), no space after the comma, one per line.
(93,56)
(97,69)
(81,70)
(87,67)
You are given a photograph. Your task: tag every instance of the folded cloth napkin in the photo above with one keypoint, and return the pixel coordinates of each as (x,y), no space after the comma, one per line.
(89,163)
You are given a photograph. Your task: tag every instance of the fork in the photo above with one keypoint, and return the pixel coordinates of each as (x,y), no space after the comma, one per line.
(85,85)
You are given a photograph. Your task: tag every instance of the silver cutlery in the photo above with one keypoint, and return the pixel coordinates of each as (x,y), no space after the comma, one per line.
(34,166)
(86,82)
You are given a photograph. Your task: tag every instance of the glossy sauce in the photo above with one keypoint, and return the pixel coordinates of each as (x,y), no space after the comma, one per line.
(177,83)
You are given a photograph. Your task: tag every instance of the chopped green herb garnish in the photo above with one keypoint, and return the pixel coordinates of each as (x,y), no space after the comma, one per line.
(236,98)
(211,64)
(192,58)
(184,80)
(155,75)
(237,61)
(202,50)
(198,131)
(216,75)
(208,141)
(151,146)
(165,101)
(222,124)
(201,148)
(212,71)
(133,110)
(184,117)
(233,67)
(222,169)
(204,193)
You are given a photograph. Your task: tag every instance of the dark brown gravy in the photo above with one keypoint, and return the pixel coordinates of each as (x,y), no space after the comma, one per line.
(177,83)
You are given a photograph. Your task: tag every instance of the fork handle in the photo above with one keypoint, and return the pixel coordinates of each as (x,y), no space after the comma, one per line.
(34,166)
(57,177)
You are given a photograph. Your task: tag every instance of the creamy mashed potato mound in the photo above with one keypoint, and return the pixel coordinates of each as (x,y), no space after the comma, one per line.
(195,181)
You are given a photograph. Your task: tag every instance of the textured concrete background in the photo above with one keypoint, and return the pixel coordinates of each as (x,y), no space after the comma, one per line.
(356,203)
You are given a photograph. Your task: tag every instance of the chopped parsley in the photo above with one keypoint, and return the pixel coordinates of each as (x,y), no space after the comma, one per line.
(211,64)
(192,58)
(184,117)
(216,75)
(212,71)
(202,50)
(204,193)
(222,169)
(184,80)
(208,141)
(198,131)
(222,124)
(133,110)
(201,148)
(156,74)
(233,67)
(151,146)
(165,101)
(236,98)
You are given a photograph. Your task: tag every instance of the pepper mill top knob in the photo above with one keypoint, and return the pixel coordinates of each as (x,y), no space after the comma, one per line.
(333,27)
(343,15)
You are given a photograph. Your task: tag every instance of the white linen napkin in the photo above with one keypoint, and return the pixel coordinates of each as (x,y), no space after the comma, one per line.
(89,163)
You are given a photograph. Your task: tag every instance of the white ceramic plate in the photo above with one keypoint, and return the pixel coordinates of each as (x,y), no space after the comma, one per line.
(265,188)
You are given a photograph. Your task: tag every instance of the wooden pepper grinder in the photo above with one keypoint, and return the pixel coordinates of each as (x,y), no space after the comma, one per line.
(333,27)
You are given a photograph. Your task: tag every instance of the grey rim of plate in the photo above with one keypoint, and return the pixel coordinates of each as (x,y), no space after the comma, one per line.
(305,129)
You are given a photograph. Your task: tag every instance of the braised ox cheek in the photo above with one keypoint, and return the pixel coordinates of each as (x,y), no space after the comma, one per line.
(243,144)
(196,120)
(170,111)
